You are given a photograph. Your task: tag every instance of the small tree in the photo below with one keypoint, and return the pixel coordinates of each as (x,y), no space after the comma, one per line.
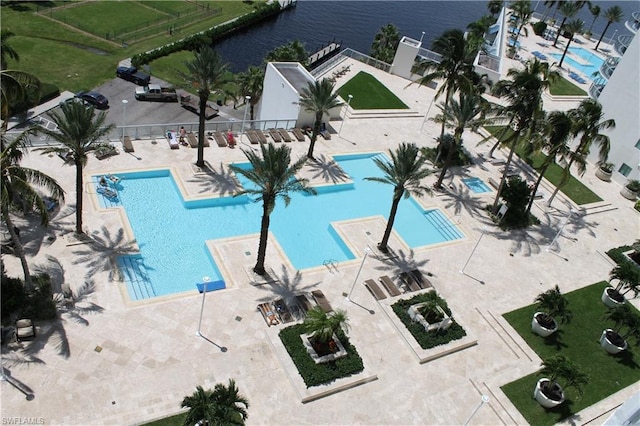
(222,406)
(628,276)
(554,305)
(558,367)
(322,326)
(516,195)
(627,323)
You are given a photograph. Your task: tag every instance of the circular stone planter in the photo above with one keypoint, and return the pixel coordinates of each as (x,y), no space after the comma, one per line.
(603,175)
(608,346)
(543,399)
(608,300)
(537,328)
(628,194)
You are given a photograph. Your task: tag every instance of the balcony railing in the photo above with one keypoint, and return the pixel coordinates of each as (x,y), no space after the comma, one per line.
(609,66)
(622,43)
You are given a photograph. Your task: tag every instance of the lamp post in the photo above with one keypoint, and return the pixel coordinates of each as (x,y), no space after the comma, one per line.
(485,399)
(124,116)
(484,229)
(560,230)
(247,99)
(366,253)
(421,37)
(613,37)
(344,117)
(205,281)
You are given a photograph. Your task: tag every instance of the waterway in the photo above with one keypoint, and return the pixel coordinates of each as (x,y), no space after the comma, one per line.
(355,24)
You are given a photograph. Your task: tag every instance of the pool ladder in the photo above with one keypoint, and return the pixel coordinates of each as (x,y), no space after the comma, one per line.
(329,263)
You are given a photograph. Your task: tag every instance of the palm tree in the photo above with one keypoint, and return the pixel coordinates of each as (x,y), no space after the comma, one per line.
(588,121)
(318,98)
(322,326)
(595,12)
(206,73)
(555,143)
(523,92)
(292,52)
(628,276)
(469,112)
(274,177)
(569,9)
(549,4)
(385,43)
(250,83)
(16,86)
(79,131)
(6,50)
(495,6)
(222,406)
(20,192)
(613,14)
(559,367)
(404,172)
(572,27)
(554,305)
(523,11)
(624,318)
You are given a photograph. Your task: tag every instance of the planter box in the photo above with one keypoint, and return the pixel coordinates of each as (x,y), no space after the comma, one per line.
(416,316)
(608,300)
(341,353)
(539,329)
(609,347)
(628,194)
(603,175)
(543,399)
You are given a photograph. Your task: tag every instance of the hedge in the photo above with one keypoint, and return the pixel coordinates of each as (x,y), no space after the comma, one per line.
(318,374)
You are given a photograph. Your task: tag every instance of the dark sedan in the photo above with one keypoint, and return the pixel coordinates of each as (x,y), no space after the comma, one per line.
(94,98)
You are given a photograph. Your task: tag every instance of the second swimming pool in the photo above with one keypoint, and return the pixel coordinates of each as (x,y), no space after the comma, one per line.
(171,234)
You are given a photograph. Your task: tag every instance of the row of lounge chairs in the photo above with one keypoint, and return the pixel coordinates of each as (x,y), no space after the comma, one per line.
(277,135)
(280,312)
(576,77)
(411,281)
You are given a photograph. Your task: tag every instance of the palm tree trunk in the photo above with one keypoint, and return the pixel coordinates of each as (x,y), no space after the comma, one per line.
(563,181)
(18,249)
(79,199)
(516,137)
(497,144)
(559,31)
(602,35)
(565,52)
(447,162)
(383,245)
(541,172)
(314,136)
(201,116)
(264,234)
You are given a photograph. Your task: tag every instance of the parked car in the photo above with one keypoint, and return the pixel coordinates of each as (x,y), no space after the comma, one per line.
(132,74)
(154,92)
(94,98)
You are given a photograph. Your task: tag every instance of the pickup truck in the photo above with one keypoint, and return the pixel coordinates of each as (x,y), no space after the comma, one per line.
(132,74)
(153,92)
(192,103)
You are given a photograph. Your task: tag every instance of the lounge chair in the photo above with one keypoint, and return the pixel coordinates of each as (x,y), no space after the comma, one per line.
(67,294)
(321,300)
(127,146)
(268,315)
(275,135)
(220,140)
(283,311)
(389,285)
(192,139)
(285,135)
(106,192)
(304,303)
(374,290)
(173,140)
(262,138)
(25,330)
(298,133)
(409,281)
(253,137)
(422,281)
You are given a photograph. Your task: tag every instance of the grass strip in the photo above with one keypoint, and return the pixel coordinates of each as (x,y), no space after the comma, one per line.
(369,93)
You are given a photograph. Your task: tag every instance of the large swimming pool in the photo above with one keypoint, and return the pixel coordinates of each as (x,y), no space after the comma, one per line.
(171,234)
(587,63)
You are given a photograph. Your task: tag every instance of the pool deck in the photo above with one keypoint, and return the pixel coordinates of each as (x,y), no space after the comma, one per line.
(131,362)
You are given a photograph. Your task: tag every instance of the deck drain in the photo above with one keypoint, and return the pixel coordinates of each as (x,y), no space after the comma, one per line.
(98,349)
(367,232)
(238,318)
(247,253)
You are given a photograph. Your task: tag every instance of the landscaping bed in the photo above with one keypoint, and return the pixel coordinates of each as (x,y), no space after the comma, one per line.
(369,93)
(318,374)
(578,341)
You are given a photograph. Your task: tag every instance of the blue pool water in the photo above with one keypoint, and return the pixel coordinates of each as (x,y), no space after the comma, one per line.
(171,234)
(476,185)
(589,64)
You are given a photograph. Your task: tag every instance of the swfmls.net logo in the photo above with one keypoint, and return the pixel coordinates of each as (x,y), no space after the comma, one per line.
(23,420)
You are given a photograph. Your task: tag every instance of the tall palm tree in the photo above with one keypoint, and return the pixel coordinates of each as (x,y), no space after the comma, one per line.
(589,122)
(323,326)
(495,6)
(206,73)
(523,92)
(318,97)
(549,4)
(274,177)
(404,172)
(523,11)
(6,50)
(572,27)
(222,406)
(20,192)
(469,112)
(385,43)
(14,87)
(595,12)
(613,14)
(79,131)
(555,143)
(568,9)
(250,83)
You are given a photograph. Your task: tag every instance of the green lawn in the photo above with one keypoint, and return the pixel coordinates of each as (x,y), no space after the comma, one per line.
(563,87)
(574,189)
(176,420)
(579,342)
(369,93)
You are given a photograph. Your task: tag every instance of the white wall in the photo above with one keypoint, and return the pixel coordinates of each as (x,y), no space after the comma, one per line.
(405,57)
(279,98)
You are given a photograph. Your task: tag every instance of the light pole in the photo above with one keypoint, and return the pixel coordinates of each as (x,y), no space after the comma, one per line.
(560,230)
(485,399)
(366,253)
(344,117)
(205,281)
(484,229)
(247,99)
(421,37)
(124,116)
(613,37)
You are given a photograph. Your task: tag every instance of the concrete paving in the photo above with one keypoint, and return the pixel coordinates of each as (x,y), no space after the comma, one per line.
(110,360)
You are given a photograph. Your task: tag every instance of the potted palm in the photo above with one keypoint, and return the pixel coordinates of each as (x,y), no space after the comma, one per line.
(604,171)
(552,305)
(631,190)
(628,276)
(614,340)
(320,339)
(548,392)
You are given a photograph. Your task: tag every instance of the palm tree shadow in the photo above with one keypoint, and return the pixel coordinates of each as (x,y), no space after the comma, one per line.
(401,262)
(462,198)
(34,236)
(578,222)
(555,340)
(101,251)
(527,241)
(285,286)
(327,169)
(220,181)
(626,358)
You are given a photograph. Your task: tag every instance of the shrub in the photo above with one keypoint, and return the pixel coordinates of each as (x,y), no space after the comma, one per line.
(13,296)
(539,28)
(317,374)
(516,195)
(427,339)
(16,302)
